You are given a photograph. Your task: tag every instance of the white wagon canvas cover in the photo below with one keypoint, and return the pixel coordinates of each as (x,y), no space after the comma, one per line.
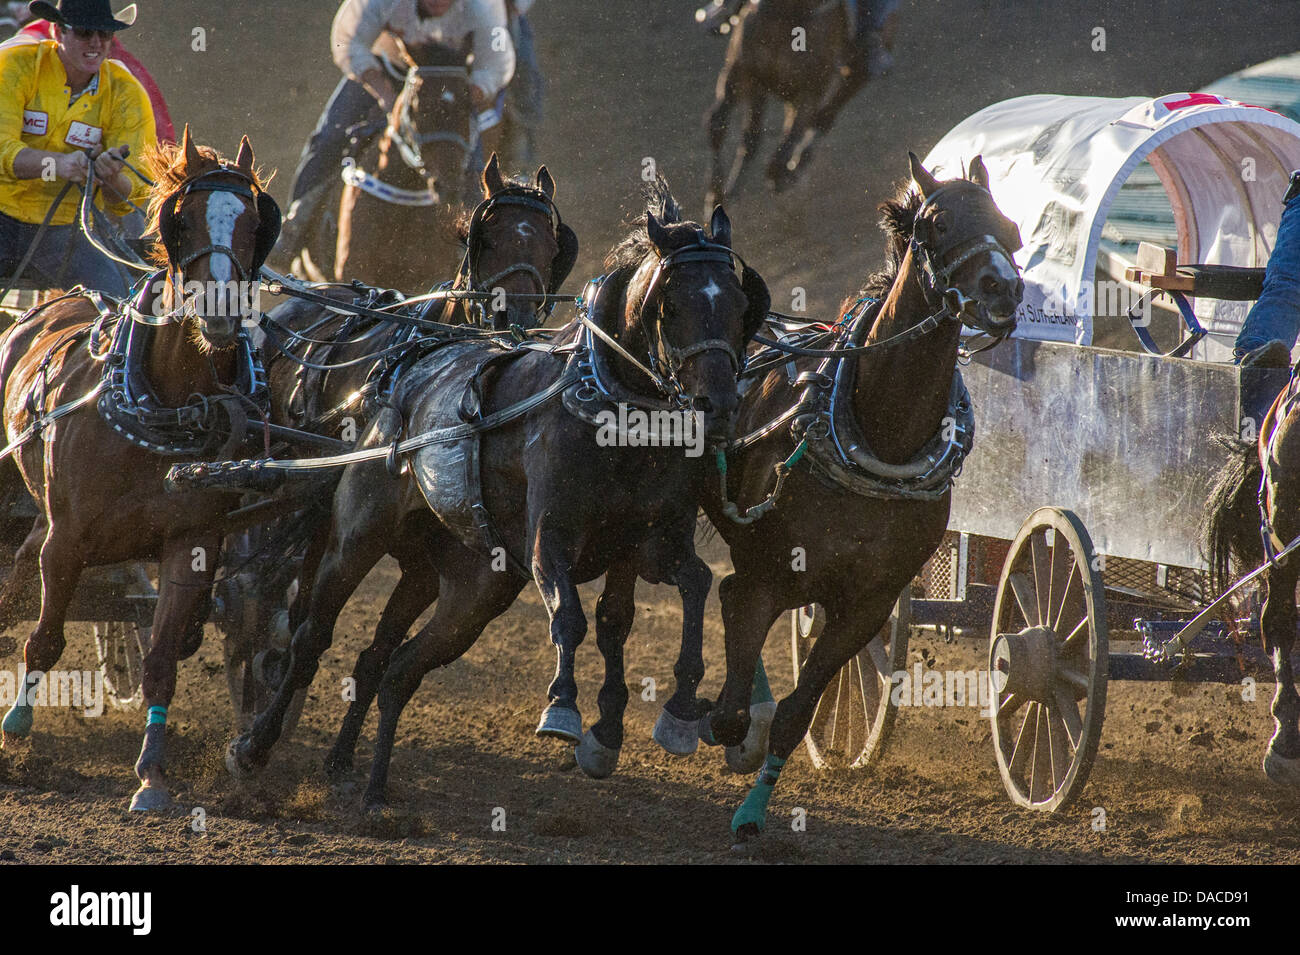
(1056,164)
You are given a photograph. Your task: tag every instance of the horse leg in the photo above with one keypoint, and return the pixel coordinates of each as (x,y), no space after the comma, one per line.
(716,121)
(678,728)
(18,601)
(552,571)
(60,567)
(795,148)
(750,138)
(414,593)
(846,633)
(748,612)
(365,512)
(467,605)
(597,753)
(848,87)
(185,575)
(1278,622)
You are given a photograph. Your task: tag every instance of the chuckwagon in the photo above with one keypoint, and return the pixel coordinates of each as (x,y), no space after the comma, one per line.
(1110,451)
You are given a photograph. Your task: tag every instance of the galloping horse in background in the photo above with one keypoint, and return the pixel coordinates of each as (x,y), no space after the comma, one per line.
(814,79)
(869,521)
(1257,495)
(401,192)
(556,498)
(96,429)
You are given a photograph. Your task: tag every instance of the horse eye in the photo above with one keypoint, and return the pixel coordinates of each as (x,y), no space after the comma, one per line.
(940,224)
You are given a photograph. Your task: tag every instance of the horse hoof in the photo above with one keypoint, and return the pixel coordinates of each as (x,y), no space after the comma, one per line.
(561,722)
(1281,769)
(338,767)
(596,760)
(150,799)
(749,755)
(372,805)
(745,834)
(237,763)
(17,723)
(677,736)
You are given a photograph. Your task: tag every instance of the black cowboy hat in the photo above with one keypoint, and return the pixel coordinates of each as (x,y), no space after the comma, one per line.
(84,14)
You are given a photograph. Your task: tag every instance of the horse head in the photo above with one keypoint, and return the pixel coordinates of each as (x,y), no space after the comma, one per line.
(215,225)
(431,122)
(964,245)
(689,309)
(517,244)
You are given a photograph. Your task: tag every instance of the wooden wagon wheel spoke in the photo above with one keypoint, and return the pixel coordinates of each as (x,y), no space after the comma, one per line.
(1075,640)
(1056,662)
(1068,707)
(1026,597)
(855,715)
(1041,558)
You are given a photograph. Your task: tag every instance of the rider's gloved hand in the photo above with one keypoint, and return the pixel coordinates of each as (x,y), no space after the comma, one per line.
(108,164)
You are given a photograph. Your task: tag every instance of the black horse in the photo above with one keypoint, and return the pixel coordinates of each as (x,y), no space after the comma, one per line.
(535,487)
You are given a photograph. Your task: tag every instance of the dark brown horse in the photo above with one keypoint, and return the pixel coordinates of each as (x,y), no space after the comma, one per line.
(802,52)
(559,496)
(401,194)
(328,381)
(865,520)
(1257,495)
(98,474)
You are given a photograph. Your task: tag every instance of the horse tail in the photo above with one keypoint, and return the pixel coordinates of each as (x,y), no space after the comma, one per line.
(1232,512)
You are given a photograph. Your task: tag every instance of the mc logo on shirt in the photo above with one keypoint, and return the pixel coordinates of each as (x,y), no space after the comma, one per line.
(35,123)
(83,135)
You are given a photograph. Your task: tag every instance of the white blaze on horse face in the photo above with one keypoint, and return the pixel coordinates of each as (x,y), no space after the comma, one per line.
(525,230)
(712,290)
(223,210)
(1005,268)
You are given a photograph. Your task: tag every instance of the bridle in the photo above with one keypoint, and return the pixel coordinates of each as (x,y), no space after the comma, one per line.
(410,141)
(170,227)
(566,242)
(665,360)
(940,261)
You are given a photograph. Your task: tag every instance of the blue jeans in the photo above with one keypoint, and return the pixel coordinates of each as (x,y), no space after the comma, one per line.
(321,158)
(1276,314)
(63,259)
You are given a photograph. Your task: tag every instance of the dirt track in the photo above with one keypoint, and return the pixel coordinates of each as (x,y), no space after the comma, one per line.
(1178,775)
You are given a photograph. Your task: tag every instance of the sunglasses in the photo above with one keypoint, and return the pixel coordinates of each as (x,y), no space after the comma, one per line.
(88,35)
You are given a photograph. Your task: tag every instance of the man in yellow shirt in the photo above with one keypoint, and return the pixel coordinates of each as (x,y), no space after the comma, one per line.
(63,106)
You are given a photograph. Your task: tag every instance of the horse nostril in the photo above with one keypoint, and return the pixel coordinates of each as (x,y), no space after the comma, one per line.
(702,403)
(993,285)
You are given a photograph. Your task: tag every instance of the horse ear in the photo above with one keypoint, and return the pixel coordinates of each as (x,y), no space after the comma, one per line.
(492,180)
(244,160)
(977,173)
(192,157)
(657,233)
(921,176)
(720,226)
(545,182)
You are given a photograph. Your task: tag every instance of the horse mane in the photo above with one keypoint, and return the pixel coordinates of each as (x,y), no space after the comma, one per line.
(169,169)
(897,217)
(630,251)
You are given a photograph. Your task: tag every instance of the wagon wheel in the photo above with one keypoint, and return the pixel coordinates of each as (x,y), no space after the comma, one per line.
(1048,661)
(121,646)
(855,716)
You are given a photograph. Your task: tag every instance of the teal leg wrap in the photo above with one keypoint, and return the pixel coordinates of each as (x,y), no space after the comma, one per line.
(18,721)
(754,808)
(762,693)
(157,714)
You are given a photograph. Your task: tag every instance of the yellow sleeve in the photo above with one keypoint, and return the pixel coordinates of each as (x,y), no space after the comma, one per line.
(15,89)
(133,124)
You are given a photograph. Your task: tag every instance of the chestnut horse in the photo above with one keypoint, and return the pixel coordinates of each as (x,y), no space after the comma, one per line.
(401,193)
(98,473)
(866,523)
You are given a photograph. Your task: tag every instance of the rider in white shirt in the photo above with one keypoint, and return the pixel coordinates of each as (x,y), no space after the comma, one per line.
(366,43)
